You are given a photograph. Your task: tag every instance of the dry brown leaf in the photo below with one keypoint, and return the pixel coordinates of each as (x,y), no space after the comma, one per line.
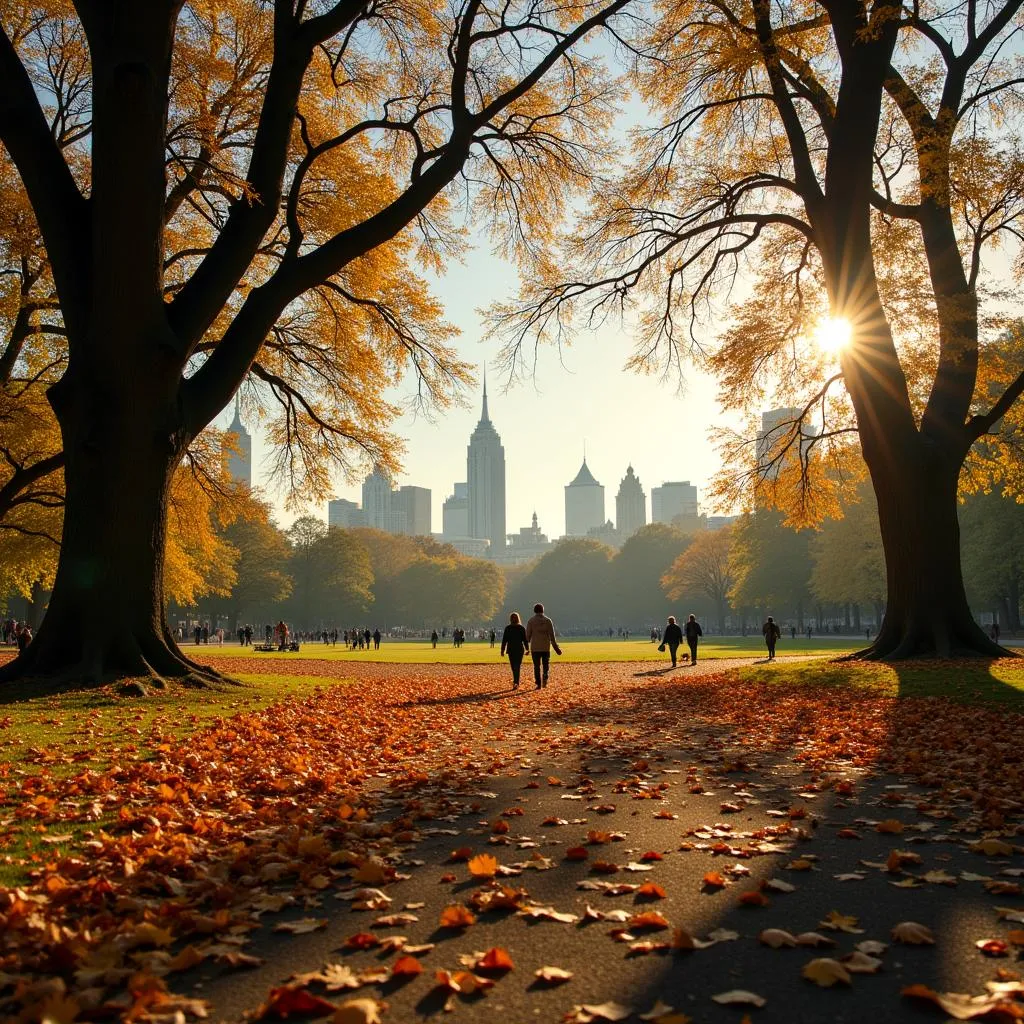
(552,975)
(739,997)
(826,972)
(913,934)
(776,938)
(359,1011)
(301,927)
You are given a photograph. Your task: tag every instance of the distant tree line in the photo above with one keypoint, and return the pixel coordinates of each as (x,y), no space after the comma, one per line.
(314,577)
(830,577)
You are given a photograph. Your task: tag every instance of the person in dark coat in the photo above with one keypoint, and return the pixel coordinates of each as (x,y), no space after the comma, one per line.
(693,633)
(672,638)
(771,632)
(513,642)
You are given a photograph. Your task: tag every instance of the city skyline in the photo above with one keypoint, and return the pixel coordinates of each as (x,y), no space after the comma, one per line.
(531,421)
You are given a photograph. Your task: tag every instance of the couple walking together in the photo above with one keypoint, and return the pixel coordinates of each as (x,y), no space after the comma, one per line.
(538,635)
(673,637)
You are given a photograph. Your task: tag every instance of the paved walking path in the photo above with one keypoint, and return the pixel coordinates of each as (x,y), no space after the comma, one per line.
(693,779)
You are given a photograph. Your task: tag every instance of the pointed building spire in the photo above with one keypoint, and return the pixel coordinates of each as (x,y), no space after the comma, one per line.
(484,418)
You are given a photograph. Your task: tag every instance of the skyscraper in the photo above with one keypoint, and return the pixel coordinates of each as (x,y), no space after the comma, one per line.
(414,504)
(485,475)
(344,514)
(630,506)
(377,503)
(673,499)
(455,513)
(584,503)
(240,460)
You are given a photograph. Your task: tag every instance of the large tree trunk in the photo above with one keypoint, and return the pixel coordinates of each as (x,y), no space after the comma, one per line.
(926,613)
(106,615)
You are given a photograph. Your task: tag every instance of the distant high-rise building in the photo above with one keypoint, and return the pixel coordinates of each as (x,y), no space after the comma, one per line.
(485,476)
(377,508)
(455,514)
(584,503)
(526,545)
(240,460)
(673,499)
(776,428)
(344,514)
(414,504)
(630,506)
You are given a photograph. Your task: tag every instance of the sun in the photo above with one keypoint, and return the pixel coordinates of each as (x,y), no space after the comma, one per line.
(833,334)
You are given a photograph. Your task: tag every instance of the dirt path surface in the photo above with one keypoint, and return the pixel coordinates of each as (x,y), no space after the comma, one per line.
(356,816)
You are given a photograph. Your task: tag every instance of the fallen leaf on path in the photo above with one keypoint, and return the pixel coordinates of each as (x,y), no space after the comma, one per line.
(739,997)
(826,972)
(546,914)
(302,926)
(913,934)
(963,1007)
(456,916)
(406,967)
(992,848)
(837,922)
(552,975)
(359,1011)
(292,1000)
(993,947)
(776,938)
(483,866)
(861,963)
(588,1013)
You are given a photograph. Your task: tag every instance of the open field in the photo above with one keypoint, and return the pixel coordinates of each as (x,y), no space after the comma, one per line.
(479,652)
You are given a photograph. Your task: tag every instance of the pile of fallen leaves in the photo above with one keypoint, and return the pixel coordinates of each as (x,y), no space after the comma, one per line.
(201,846)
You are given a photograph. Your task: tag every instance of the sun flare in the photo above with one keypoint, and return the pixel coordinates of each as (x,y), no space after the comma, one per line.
(834,334)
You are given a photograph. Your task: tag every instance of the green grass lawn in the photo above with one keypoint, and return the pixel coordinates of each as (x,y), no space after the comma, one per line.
(999,682)
(479,652)
(61,734)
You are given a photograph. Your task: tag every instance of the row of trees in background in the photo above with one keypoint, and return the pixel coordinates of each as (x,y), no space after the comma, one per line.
(228,562)
(834,575)
(316,578)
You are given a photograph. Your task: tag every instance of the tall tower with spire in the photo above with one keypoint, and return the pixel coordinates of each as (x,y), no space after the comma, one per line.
(240,460)
(630,505)
(485,477)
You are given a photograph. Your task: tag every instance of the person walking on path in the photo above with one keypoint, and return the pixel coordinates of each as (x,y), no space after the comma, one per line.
(513,643)
(433,638)
(540,635)
(671,638)
(376,639)
(693,633)
(771,633)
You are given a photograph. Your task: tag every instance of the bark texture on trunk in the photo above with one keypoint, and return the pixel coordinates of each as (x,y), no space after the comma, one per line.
(926,614)
(106,615)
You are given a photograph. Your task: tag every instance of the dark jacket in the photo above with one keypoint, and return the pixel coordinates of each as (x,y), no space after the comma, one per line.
(673,636)
(514,639)
(771,631)
(692,630)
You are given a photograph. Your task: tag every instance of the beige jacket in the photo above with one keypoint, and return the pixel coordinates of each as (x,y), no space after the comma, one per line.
(540,633)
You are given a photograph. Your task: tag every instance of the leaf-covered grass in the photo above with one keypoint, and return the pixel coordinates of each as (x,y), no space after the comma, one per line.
(479,652)
(972,682)
(60,734)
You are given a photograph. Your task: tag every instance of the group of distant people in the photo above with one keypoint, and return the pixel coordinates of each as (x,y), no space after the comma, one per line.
(538,637)
(15,632)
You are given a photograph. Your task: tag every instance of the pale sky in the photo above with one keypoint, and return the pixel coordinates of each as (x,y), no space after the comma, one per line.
(586,396)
